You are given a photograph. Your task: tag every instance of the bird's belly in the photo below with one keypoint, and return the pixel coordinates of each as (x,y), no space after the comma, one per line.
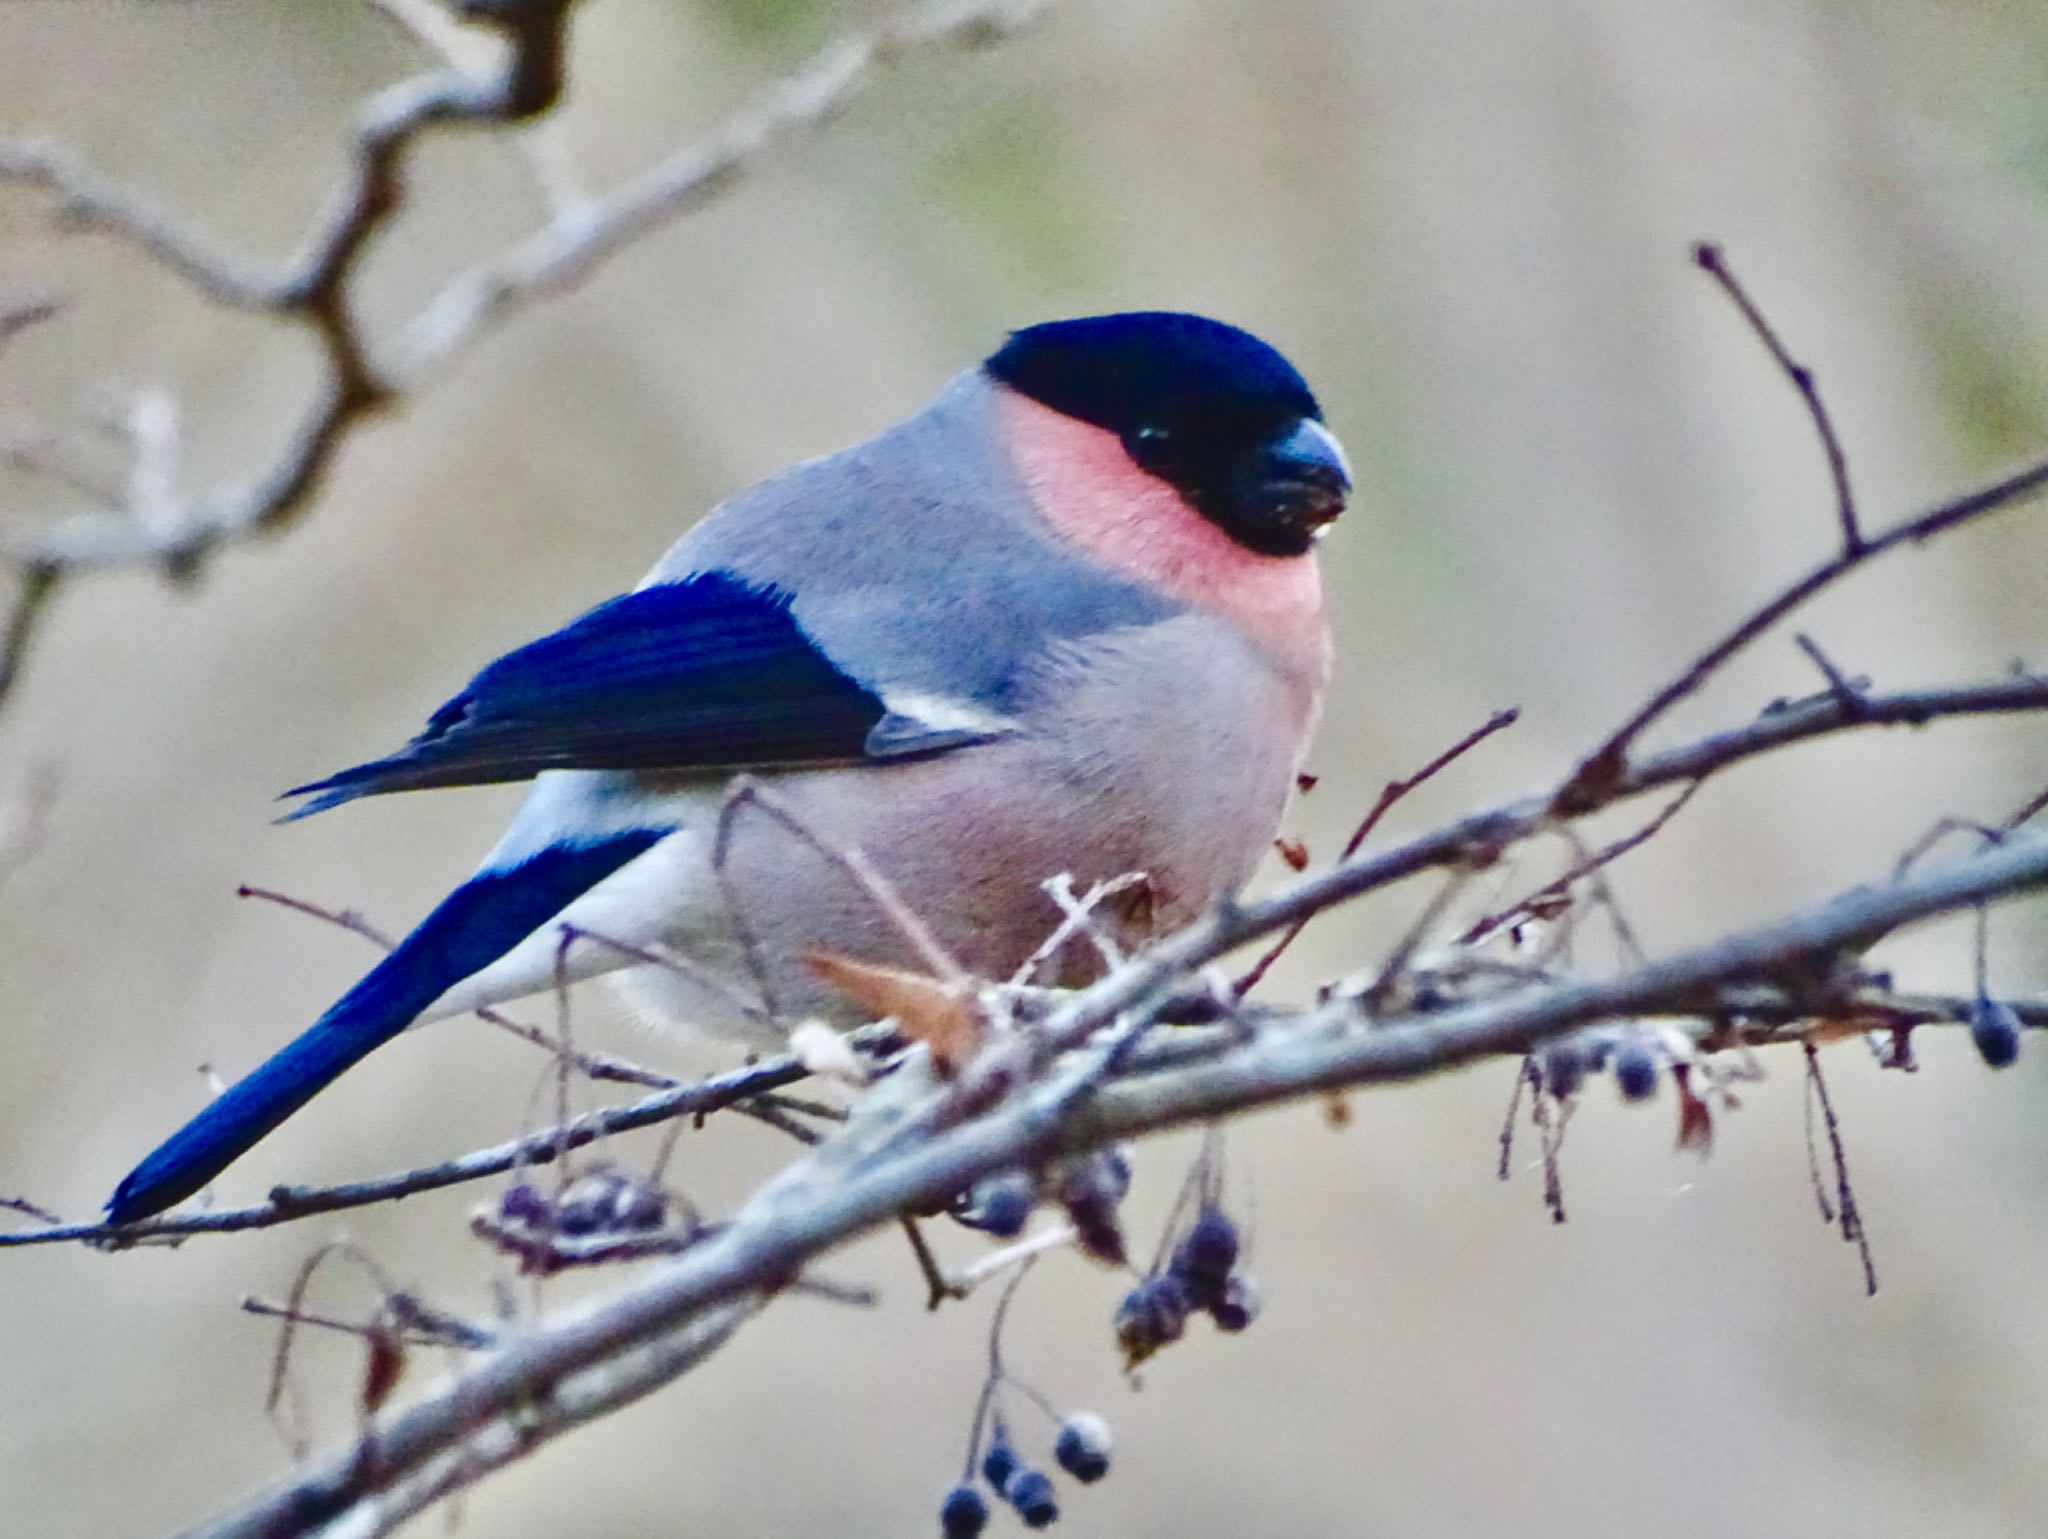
(967,842)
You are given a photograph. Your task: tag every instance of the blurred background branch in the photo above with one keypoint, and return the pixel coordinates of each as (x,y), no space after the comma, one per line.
(318,290)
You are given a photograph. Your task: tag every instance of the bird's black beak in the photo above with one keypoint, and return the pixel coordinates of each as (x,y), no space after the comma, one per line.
(1303,479)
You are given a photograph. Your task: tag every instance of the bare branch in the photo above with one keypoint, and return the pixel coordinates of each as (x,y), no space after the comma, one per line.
(1389,796)
(1608,764)
(625,1341)
(1714,263)
(316,290)
(570,248)
(1160,968)
(88,199)
(1495,828)
(287,1203)
(1598,860)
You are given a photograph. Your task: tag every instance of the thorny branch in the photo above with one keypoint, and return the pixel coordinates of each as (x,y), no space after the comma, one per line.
(318,290)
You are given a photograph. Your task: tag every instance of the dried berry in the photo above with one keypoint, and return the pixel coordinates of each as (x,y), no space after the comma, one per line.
(1239,1305)
(577,1219)
(999,1463)
(640,1207)
(963,1514)
(1995,1028)
(521,1203)
(1000,1204)
(1564,1066)
(1152,1315)
(1030,1492)
(610,1202)
(1205,1255)
(1636,1070)
(1090,1192)
(1082,1447)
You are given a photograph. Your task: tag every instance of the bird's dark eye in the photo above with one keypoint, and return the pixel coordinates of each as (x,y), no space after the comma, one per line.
(1152,447)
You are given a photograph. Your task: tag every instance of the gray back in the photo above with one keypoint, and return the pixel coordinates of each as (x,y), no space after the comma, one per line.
(917,557)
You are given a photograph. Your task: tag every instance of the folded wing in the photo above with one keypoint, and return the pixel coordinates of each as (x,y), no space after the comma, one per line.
(702,674)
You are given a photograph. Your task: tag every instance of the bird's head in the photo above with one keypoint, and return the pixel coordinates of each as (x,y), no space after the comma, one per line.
(1209,410)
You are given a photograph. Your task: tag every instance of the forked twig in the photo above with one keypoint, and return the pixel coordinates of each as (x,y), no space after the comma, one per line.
(1389,796)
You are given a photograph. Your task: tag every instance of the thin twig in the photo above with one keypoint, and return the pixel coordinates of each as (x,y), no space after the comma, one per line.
(938,1287)
(1845,689)
(1846,1213)
(363,376)
(1598,860)
(746,791)
(1714,263)
(1597,774)
(2034,807)
(287,1204)
(812,1209)
(996,1262)
(1390,794)
(34,1210)
(600,1066)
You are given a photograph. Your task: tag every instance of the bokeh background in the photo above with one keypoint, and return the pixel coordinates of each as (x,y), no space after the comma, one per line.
(1469,224)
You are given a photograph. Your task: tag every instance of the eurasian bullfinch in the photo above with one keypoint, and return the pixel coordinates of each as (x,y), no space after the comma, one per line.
(1067,618)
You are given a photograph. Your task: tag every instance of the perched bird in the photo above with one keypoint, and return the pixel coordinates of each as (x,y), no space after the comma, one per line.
(1066,618)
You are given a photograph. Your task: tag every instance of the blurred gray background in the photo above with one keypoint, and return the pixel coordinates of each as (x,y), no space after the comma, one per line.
(1468,223)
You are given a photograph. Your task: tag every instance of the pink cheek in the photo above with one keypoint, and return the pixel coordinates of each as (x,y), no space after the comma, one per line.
(1097,499)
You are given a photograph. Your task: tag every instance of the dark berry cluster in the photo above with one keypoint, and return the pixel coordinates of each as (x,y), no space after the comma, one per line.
(1090,1189)
(1080,1447)
(1634,1057)
(1201,1276)
(605,1214)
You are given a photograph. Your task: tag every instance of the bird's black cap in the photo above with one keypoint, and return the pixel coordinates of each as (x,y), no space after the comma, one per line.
(1151,367)
(1204,406)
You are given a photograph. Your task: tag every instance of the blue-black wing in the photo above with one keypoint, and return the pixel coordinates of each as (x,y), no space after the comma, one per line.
(706,673)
